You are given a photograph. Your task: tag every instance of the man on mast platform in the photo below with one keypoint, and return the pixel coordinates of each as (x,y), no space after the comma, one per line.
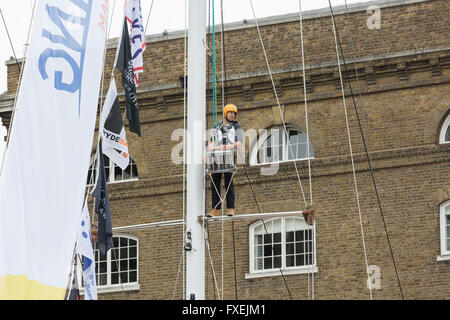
(225,139)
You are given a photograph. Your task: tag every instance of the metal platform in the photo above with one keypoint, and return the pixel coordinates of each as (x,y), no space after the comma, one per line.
(238,217)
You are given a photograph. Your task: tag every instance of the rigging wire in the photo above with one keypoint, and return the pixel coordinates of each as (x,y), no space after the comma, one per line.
(367,153)
(148,17)
(278,101)
(312,229)
(21,68)
(224,102)
(184,141)
(351,149)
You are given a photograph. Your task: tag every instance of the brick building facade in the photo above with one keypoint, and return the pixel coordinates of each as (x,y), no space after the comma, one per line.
(404,78)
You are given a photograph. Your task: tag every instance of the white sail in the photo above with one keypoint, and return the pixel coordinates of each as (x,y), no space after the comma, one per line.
(44,176)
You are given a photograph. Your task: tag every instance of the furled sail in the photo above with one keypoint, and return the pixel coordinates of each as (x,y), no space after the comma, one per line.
(44,176)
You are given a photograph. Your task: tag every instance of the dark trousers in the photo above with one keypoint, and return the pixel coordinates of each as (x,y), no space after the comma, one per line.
(217,178)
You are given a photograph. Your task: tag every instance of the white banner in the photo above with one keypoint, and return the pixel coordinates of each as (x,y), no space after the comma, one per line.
(133,13)
(115,144)
(44,176)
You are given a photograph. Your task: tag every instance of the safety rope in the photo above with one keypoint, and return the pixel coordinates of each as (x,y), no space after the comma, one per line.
(351,149)
(367,155)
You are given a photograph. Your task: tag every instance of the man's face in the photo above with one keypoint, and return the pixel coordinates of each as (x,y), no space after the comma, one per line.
(231,115)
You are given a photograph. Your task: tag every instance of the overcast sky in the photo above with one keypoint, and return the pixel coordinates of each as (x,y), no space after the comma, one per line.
(164,15)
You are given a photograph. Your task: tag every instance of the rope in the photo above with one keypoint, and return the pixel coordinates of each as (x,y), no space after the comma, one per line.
(368,157)
(148,17)
(184,141)
(212,263)
(178,275)
(307,147)
(8,136)
(278,102)
(351,149)
(214,68)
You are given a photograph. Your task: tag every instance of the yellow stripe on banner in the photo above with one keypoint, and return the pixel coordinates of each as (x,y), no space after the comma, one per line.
(20,288)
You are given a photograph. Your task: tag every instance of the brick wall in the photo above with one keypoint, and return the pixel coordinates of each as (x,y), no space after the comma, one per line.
(404,73)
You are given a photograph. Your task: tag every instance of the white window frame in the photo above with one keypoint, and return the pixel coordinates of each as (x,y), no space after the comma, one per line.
(444,131)
(265,135)
(253,273)
(445,252)
(112,176)
(114,287)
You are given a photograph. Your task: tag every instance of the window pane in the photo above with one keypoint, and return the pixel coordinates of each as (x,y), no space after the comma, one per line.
(448,244)
(267,250)
(258,264)
(123,242)
(259,251)
(124,277)
(277,249)
(102,267)
(102,279)
(299,235)
(133,252)
(124,253)
(114,266)
(289,261)
(114,278)
(447,134)
(277,262)
(290,236)
(258,239)
(133,276)
(267,263)
(290,248)
(300,260)
(277,237)
(300,247)
(133,264)
(123,265)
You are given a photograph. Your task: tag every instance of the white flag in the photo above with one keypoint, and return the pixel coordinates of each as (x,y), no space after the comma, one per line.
(44,175)
(133,13)
(85,248)
(84,241)
(115,144)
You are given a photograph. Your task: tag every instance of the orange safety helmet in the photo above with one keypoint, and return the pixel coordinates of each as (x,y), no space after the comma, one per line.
(228,108)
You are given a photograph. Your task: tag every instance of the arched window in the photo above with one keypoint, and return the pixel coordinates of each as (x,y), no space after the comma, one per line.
(286,243)
(272,146)
(445,228)
(444,136)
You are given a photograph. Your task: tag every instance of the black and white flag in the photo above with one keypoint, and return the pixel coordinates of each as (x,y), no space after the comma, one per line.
(102,208)
(125,65)
(115,144)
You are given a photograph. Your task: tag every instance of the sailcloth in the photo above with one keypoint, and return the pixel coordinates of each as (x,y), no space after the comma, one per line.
(115,144)
(44,175)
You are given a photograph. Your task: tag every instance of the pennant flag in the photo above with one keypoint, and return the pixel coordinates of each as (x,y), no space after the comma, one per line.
(42,184)
(115,144)
(100,193)
(84,248)
(125,66)
(74,293)
(133,14)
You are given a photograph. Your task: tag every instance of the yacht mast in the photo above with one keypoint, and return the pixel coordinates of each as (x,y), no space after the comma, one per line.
(195,197)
